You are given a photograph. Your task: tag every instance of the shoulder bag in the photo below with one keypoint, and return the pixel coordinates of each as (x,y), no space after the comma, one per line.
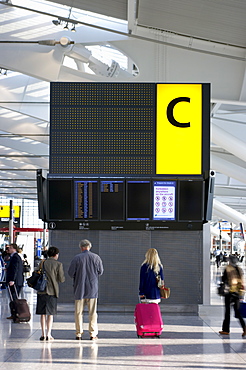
(164,291)
(38,280)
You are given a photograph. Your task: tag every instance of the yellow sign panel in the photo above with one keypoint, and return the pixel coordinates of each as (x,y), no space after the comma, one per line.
(179,129)
(5,211)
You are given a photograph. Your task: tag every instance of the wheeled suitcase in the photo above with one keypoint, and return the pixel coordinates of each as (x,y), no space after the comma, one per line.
(148,320)
(18,307)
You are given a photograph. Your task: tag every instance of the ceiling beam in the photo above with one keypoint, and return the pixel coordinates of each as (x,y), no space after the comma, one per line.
(141,38)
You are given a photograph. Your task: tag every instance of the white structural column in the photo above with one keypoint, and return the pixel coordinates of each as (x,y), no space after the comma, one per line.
(227,213)
(228,142)
(229,169)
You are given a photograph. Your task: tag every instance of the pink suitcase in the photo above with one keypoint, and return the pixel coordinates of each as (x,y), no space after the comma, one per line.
(148,320)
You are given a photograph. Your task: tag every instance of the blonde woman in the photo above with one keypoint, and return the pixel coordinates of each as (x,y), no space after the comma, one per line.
(151,267)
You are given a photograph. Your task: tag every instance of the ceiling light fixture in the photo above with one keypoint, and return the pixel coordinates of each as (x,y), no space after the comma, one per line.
(56,22)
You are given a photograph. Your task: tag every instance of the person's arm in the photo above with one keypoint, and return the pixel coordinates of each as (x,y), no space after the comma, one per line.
(141,282)
(161,273)
(100,267)
(72,269)
(61,275)
(13,271)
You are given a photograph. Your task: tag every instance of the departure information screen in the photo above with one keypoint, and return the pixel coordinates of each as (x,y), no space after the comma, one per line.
(112,200)
(86,199)
(102,128)
(123,203)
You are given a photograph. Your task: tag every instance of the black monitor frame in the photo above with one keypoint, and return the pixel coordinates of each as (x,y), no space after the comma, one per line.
(60,199)
(124,220)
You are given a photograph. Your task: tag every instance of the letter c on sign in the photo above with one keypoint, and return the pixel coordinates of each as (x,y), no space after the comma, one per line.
(170,108)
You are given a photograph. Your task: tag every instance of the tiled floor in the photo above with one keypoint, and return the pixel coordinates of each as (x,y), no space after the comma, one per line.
(187,342)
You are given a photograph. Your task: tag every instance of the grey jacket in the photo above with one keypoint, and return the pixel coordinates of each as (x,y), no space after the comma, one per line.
(55,275)
(84,270)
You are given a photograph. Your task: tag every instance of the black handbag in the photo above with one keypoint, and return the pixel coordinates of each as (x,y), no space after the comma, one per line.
(32,280)
(41,284)
(38,280)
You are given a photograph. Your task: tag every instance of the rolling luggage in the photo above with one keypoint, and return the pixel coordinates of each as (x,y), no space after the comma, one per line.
(148,320)
(18,307)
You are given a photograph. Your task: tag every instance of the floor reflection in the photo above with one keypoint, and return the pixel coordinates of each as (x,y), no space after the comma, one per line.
(149,350)
(187,342)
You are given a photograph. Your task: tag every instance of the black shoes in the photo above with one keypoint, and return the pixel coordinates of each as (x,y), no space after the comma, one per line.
(91,338)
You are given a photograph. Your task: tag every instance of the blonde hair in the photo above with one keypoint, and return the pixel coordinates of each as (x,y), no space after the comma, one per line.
(153,260)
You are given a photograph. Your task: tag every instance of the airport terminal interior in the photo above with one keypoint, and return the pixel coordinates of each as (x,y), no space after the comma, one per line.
(187,341)
(63,57)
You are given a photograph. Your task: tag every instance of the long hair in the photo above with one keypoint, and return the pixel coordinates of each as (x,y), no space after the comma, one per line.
(153,260)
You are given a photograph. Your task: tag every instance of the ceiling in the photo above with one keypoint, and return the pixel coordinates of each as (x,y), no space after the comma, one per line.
(168,41)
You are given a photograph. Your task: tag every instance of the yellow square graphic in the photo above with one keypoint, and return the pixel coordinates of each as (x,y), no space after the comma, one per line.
(179,129)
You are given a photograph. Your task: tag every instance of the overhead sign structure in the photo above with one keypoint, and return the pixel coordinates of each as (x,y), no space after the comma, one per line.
(128,156)
(5,212)
(179,129)
(129,129)
(5,215)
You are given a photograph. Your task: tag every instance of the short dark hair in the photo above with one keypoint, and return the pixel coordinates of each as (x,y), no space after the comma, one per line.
(14,245)
(52,251)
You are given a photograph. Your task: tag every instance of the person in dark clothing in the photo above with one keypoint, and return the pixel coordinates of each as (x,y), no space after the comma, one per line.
(217,253)
(233,277)
(14,272)
(150,269)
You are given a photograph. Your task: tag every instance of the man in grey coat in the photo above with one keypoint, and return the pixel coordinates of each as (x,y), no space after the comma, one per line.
(84,270)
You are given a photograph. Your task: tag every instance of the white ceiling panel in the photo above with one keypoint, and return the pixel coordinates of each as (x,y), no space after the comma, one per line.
(171,41)
(221,21)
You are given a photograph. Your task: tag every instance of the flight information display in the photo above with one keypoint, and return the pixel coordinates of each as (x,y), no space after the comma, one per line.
(191,200)
(102,128)
(86,199)
(164,200)
(112,197)
(119,155)
(138,200)
(125,203)
(60,200)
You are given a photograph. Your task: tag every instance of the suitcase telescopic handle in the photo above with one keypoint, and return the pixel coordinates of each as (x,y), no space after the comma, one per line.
(10,294)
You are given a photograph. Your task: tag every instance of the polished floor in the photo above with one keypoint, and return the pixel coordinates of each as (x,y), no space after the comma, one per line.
(187,342)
